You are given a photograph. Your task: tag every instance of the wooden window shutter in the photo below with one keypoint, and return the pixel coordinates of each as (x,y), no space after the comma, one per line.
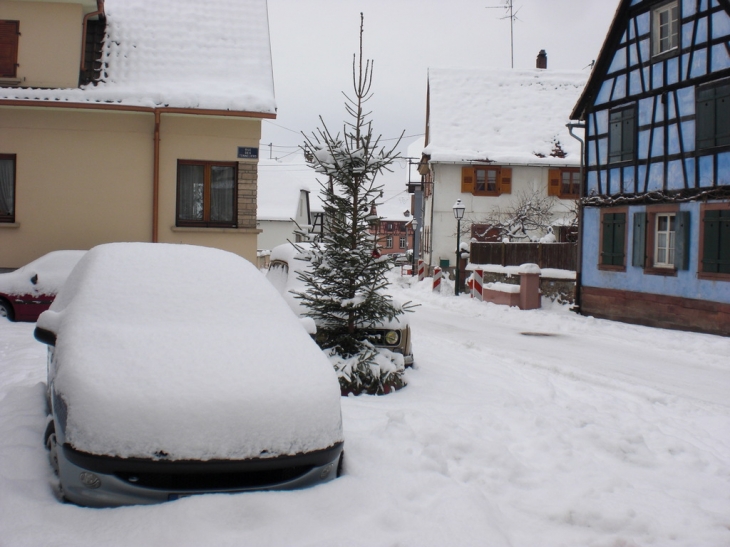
(681,241)
(505,180)
(553,182)
(9,32)
(638,251)
(467,180)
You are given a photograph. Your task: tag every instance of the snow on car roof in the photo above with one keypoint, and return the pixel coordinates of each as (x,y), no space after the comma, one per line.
(52,270)
(186,351)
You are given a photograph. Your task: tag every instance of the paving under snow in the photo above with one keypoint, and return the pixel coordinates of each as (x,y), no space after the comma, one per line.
(601,434)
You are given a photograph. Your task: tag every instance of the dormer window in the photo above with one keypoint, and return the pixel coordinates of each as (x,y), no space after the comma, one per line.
(9,32)
(665,28)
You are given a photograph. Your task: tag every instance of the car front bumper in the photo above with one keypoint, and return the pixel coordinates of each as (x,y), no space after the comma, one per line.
(96,481)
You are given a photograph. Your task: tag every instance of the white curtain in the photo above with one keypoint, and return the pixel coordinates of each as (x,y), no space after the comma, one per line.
(7,190)
(221,193)
(190,192)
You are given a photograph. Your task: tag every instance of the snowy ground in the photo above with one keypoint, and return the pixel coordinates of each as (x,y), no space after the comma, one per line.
(602,434)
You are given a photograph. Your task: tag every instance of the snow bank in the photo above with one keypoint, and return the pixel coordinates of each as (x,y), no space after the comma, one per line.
(187,351)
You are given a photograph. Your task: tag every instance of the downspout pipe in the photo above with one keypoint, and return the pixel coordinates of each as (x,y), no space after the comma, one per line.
(156,179)
(581,193)
(99,11)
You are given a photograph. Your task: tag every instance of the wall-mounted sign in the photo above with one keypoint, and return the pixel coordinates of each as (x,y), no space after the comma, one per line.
(247,153)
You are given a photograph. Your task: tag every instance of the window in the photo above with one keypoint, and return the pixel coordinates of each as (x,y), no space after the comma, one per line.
(564,183)
(206,194)
(622,131)
(9,32)
(389,242)
(7,187)
(613,240)
(713,115)
(661,240)
(402,242)
(486,180)
(715,238)
(665,28)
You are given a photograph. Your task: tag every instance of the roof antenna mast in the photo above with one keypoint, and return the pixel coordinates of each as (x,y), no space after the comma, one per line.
(512,16)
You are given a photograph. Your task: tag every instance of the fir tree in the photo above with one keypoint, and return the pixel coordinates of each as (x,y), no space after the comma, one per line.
(346,281)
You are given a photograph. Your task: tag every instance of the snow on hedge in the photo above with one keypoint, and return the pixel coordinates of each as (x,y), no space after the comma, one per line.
(188,351)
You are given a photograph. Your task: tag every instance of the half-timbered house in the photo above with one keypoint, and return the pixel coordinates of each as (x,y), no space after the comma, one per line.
(656,208)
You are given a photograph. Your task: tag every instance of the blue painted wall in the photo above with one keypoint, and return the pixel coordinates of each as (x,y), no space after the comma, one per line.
(685,284)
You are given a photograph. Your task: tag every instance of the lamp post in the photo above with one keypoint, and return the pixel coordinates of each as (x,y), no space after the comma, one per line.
(414,226)
(459,209)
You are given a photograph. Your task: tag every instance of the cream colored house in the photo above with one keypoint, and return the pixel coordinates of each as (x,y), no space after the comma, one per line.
(115,125)
(494,137)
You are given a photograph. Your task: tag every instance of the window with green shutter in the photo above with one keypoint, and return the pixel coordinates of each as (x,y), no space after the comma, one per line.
(713,115)
(613,239)
(622,134)
(716,242)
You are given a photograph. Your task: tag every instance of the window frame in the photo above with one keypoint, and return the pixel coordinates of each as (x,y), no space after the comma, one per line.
(704,208)
(502,180)
(206,222)
(720,91)
(613,267)
(555,182)
(10,218)
(674,28)
(644,251)
(402,242)
(12,36)
(625,154)
(389,242)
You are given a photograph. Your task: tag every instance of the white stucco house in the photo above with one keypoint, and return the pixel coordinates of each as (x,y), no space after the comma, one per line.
(288,200)
(492,137)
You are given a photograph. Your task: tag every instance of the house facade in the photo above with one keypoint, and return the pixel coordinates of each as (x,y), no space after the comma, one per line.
(656,215)
(289,201)
(496,139)
(110,132)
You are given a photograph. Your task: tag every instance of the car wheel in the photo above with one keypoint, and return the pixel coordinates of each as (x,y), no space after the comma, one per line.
(340,464)
(52,447)
(6,310)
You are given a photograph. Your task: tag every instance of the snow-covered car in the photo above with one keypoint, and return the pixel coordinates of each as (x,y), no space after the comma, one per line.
(176,370)
(29,290)
(286,263)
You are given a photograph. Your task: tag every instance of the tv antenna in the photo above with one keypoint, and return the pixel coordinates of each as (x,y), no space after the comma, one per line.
(512,16)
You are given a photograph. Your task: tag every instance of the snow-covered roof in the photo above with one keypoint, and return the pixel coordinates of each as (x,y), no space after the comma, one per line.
(393,208)
(179,54)
(503,116)
(280,183)
(140,373)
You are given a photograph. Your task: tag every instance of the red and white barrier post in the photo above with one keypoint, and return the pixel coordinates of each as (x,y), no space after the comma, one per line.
(478,283)
(421,270)
(437,279)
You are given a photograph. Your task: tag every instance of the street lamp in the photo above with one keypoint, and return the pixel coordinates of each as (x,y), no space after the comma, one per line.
(414,226)
(459,209)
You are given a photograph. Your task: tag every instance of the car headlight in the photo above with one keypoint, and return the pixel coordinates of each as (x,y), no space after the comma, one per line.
(391,337)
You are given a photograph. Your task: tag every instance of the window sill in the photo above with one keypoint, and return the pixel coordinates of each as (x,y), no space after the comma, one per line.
(666,272)
(714,276)
(9,224)
(10,82)
(610,268)
(214,230)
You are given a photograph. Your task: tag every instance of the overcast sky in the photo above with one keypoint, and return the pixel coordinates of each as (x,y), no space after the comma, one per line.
(313,42)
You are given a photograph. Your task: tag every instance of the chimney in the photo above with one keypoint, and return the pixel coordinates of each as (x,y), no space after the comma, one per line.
(541,59)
